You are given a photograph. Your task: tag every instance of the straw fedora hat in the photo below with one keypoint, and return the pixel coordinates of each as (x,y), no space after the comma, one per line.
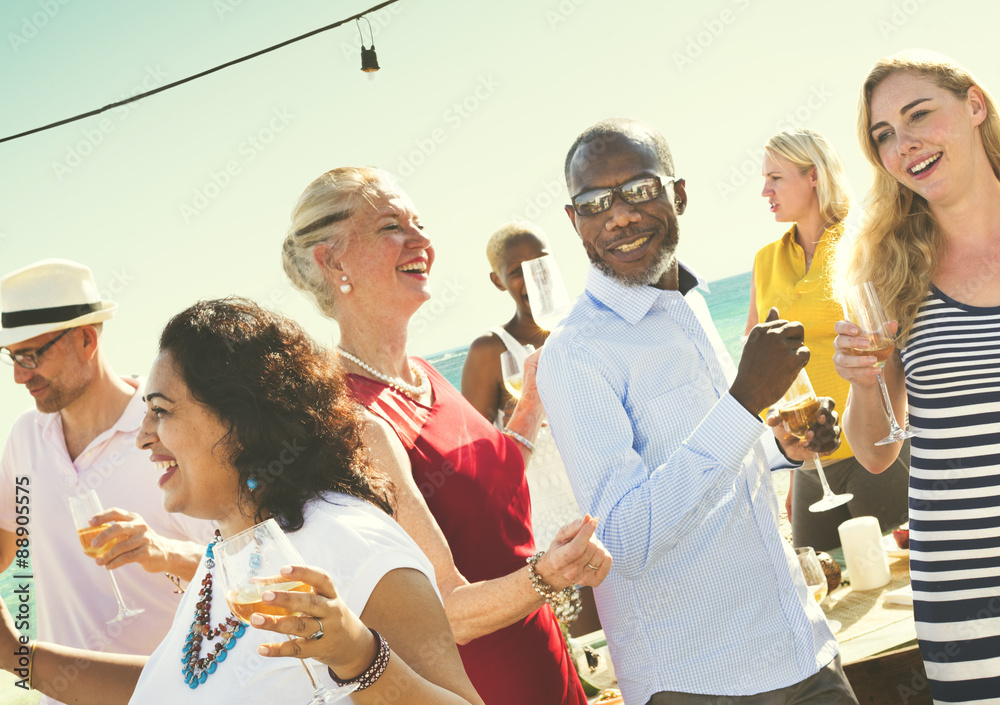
(46,296)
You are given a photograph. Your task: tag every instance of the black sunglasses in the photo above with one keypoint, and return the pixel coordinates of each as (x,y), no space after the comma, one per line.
(635,191)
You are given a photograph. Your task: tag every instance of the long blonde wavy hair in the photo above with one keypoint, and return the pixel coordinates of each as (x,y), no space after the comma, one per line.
(898,242)
(322,215)
(807,149)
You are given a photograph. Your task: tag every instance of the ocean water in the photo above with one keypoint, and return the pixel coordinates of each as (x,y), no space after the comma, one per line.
(727,299)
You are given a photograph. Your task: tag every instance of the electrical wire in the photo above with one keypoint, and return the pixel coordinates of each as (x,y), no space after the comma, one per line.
(140,96)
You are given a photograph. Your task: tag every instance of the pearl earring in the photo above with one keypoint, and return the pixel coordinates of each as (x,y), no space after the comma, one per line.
(346,288)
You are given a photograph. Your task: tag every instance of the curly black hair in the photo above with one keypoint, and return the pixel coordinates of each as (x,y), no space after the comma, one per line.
(292,426)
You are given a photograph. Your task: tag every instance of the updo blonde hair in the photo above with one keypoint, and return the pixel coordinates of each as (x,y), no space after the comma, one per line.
(323,215)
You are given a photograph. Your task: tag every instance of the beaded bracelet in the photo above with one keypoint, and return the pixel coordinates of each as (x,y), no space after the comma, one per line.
(529,446)
(565,603)
(374,671)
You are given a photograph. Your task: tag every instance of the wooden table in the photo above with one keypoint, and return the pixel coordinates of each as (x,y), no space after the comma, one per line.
(877,641)
(868,625)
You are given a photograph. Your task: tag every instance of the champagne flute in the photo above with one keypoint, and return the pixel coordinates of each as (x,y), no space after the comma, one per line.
(546,292)
(512,373)
(799,409)
(512,369)
(812,571)
(83,507)
(862,308)
(249,565)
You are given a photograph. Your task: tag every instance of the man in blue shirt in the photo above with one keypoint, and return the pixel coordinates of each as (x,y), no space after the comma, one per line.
(662,441)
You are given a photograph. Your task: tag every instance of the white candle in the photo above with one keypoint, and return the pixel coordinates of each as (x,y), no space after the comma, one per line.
(866,561)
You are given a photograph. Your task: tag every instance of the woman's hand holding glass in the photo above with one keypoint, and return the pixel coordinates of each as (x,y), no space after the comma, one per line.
(859,370)
(347,646)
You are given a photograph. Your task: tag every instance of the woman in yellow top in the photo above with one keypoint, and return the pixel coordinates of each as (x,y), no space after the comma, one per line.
(805,185)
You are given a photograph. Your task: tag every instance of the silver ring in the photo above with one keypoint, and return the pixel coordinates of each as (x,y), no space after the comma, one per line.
(594,567)
(318,634)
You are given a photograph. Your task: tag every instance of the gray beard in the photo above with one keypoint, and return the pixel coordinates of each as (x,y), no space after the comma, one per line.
(648,278)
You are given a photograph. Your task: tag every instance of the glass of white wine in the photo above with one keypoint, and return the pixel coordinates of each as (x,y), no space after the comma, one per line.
(863,309)
(250,564)
(546,291)
(799,409)
(83,507)
(513,371)
(813,572)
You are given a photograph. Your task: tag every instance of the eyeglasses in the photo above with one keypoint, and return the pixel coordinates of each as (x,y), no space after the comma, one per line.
(29,361)
(634,191)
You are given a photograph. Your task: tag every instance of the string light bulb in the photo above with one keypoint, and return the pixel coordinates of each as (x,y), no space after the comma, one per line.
(369,61)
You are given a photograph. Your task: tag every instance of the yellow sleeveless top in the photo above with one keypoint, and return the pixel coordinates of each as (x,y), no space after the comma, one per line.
(781,280)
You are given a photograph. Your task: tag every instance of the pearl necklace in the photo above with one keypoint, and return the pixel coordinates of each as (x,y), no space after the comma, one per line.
(414,391)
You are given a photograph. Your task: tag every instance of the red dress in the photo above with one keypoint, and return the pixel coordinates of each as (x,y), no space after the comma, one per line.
(472,477)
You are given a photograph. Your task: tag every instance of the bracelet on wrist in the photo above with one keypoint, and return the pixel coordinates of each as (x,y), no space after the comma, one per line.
(374,671)
(565,603)
(528,445)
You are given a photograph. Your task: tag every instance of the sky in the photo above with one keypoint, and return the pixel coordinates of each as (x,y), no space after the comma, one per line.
(187,194)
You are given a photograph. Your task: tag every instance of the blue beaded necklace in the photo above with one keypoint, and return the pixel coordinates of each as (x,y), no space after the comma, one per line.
(196,669)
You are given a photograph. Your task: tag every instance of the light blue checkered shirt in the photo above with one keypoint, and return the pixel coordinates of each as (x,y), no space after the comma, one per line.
(704,596)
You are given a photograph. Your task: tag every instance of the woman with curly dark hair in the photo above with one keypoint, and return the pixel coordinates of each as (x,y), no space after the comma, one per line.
(248,419)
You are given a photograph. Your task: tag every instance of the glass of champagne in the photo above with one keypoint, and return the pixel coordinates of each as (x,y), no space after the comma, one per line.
(546,292)
(83,507)
(799,409)
(862,308)
(813,572)
(513,369)
(249,565)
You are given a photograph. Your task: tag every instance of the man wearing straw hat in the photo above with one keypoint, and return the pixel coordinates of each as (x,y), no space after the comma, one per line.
(81,436)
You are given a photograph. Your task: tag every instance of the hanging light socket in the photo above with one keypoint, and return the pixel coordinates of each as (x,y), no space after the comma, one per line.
(369,61)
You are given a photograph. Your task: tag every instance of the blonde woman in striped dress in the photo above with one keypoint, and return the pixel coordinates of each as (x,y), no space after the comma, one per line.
(931,245)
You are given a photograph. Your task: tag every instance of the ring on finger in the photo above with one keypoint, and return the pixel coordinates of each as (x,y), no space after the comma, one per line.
(318,634)
(593,567)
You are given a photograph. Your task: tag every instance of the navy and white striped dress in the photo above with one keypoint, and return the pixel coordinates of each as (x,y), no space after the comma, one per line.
(952,364)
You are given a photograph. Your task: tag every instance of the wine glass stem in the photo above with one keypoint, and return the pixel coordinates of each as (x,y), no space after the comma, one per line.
(822,476)
(308,671)
(893,426)
(118,593)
